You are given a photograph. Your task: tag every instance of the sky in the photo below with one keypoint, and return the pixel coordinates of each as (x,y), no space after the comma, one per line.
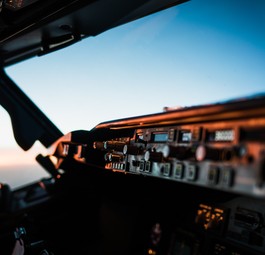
(198,52)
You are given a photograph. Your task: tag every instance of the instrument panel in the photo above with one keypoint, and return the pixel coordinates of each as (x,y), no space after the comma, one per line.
(221,155)
(219,146)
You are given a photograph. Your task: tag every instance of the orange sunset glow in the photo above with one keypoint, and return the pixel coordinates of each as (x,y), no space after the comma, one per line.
(16,156)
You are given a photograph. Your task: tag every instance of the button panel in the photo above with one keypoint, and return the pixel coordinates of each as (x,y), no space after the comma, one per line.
(206,155)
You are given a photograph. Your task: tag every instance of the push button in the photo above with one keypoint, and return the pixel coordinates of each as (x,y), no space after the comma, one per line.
(228,175)
(192,172)
(213,175)
(179,171)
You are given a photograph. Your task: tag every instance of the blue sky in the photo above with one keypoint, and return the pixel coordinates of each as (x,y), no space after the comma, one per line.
(195,53)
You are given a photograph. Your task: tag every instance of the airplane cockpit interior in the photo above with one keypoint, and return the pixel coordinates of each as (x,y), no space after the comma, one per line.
(188,179)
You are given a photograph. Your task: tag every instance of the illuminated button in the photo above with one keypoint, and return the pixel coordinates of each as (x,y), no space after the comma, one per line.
(179,171)
(141,165)
(166,169)
(213,175)
(227,179)
(147,166)
(192,172)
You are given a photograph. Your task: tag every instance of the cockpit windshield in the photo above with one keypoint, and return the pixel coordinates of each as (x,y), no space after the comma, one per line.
(198,52)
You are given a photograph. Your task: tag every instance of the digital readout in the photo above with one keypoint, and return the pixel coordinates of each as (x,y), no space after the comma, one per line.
(160,137)
(227,135)
(185,136)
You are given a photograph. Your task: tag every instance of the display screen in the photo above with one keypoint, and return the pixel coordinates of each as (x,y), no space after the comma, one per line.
(227,135)
(159,137)
(184,136)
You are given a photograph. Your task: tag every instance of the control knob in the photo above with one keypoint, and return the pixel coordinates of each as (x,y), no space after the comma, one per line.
(153,156)
(180,152)
(205,152)
(113,157)
(132,150)
(113,145)
(98,145)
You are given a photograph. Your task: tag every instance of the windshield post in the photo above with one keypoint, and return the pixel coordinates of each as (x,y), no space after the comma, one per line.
(28,121)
